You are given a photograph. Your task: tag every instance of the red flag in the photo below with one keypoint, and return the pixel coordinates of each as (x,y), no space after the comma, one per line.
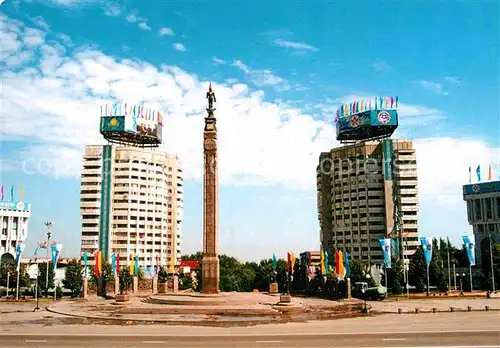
(392,101)
(96,263)
(1,191)
(288,262)
(157,263)
(337,262)
(118,264)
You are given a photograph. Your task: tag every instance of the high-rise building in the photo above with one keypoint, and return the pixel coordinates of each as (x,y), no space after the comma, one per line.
(483,214)
(131,204)
(14,216)
(368,191)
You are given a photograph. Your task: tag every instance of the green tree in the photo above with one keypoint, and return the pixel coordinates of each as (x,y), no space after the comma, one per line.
(73,278)
(185,282)
(486,263)
(126,281)
(193,257)
(395,276)
(42,277)
(417,270)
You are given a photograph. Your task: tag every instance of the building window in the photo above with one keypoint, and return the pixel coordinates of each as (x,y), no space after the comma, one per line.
(477,209)
(489,209)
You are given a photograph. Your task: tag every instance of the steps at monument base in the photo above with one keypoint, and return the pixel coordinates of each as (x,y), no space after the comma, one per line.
(229,311)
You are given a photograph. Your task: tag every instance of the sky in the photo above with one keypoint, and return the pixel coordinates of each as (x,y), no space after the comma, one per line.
(280,70)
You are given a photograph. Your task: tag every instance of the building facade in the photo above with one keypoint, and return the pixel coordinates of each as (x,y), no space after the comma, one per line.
(483,213)
(14,218)
(131,204)
(367,191)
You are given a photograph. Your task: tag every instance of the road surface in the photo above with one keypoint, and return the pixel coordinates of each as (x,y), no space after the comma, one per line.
(455,339)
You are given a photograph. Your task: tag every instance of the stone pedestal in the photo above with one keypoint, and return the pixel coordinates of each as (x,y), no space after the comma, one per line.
(348,284)
(136,286)
(122,298)
(210,274)
(85,290)
(155,284)
(163,288)
(175,284)
(273,288)
(285,299)
(117,286)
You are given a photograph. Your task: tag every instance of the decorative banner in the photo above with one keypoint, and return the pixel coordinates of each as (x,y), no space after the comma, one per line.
(275,263)
(136,271)
(56,252)
(346,264)
(85,264)
(469,247)
(426,243)
(96,263)
(131,265)
(327,270)
(478,172)
(385,243)
(113,264)
(292,264)
(322,261)
(341,264)
(377,103)
(19,252)
(118,264)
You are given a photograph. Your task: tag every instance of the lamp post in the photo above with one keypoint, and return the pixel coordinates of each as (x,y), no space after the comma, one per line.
(36,286)
(491,262)
(8,283)
(49,225)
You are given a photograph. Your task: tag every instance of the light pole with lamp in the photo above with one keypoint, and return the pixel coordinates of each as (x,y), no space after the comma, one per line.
(491,262)
(49,225)
(37,308)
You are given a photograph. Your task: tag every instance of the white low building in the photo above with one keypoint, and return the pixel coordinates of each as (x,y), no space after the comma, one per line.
(14,216)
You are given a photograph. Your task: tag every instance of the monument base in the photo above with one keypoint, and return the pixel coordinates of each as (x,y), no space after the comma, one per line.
(122,298)
(210,275)
(285,299)
(273,288)
(135,285)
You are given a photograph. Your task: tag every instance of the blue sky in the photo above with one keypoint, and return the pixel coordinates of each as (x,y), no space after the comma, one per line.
(280,69)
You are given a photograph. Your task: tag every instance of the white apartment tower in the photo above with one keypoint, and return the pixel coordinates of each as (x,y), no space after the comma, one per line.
(365,191)
(131,204)
(14,216)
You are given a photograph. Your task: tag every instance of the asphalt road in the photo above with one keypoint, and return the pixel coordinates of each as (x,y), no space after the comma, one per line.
(422,339)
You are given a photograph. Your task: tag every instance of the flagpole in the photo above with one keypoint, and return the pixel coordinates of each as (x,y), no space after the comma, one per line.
(454,277)
(491,261)
(55,269)
(17,284)
(36,286)
(470,273)
(428,282)
(449,270)
(8,283)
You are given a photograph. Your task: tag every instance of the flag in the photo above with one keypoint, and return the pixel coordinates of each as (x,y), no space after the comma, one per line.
(392,102)
(113,264)
(397,101)
(12,193)
(489,173)
(19,252)
(136,270)
(341,264)
(1,192)
(385,243)
(118,264)
(322,261)
(381,102)
(469,247)
(326,263)
(288,262)
(85,261)
(157,264)
(478,172)
(426,243)
(470,174)
(99,262)
(292,263)
(337,265)
(131,265)
(275,263)
(21,193)
(56,251)
(96,262)
(347,266)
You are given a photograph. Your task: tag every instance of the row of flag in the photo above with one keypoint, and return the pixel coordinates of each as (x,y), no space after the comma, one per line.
(426,243)
(478,173)
(133,265)
(342,266)
(376,103)
(133,110)
(2,193)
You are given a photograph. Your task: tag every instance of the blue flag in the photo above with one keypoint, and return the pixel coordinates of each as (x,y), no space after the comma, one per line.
(113,263)
(326,263)
(469,247)
(478,172)
(275,263)
(346,264)
(136,265)
(85,264)
(385,243)
(426,243)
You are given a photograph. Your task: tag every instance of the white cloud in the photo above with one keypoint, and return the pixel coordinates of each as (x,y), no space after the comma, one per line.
(132,18)
(166,31)
(301,46)
(264,77)
(432,86)
(179,47)
(33,37)
(217,60)
(40,22)
(381,65)
(112,10)
(144,26)
(452,79)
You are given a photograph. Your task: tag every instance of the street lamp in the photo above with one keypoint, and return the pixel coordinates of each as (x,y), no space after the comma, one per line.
(491,262)
(49,225)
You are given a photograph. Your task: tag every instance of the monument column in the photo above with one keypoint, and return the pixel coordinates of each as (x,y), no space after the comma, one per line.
(210,261)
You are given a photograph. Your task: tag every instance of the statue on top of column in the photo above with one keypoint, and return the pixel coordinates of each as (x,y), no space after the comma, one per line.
(211,97)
